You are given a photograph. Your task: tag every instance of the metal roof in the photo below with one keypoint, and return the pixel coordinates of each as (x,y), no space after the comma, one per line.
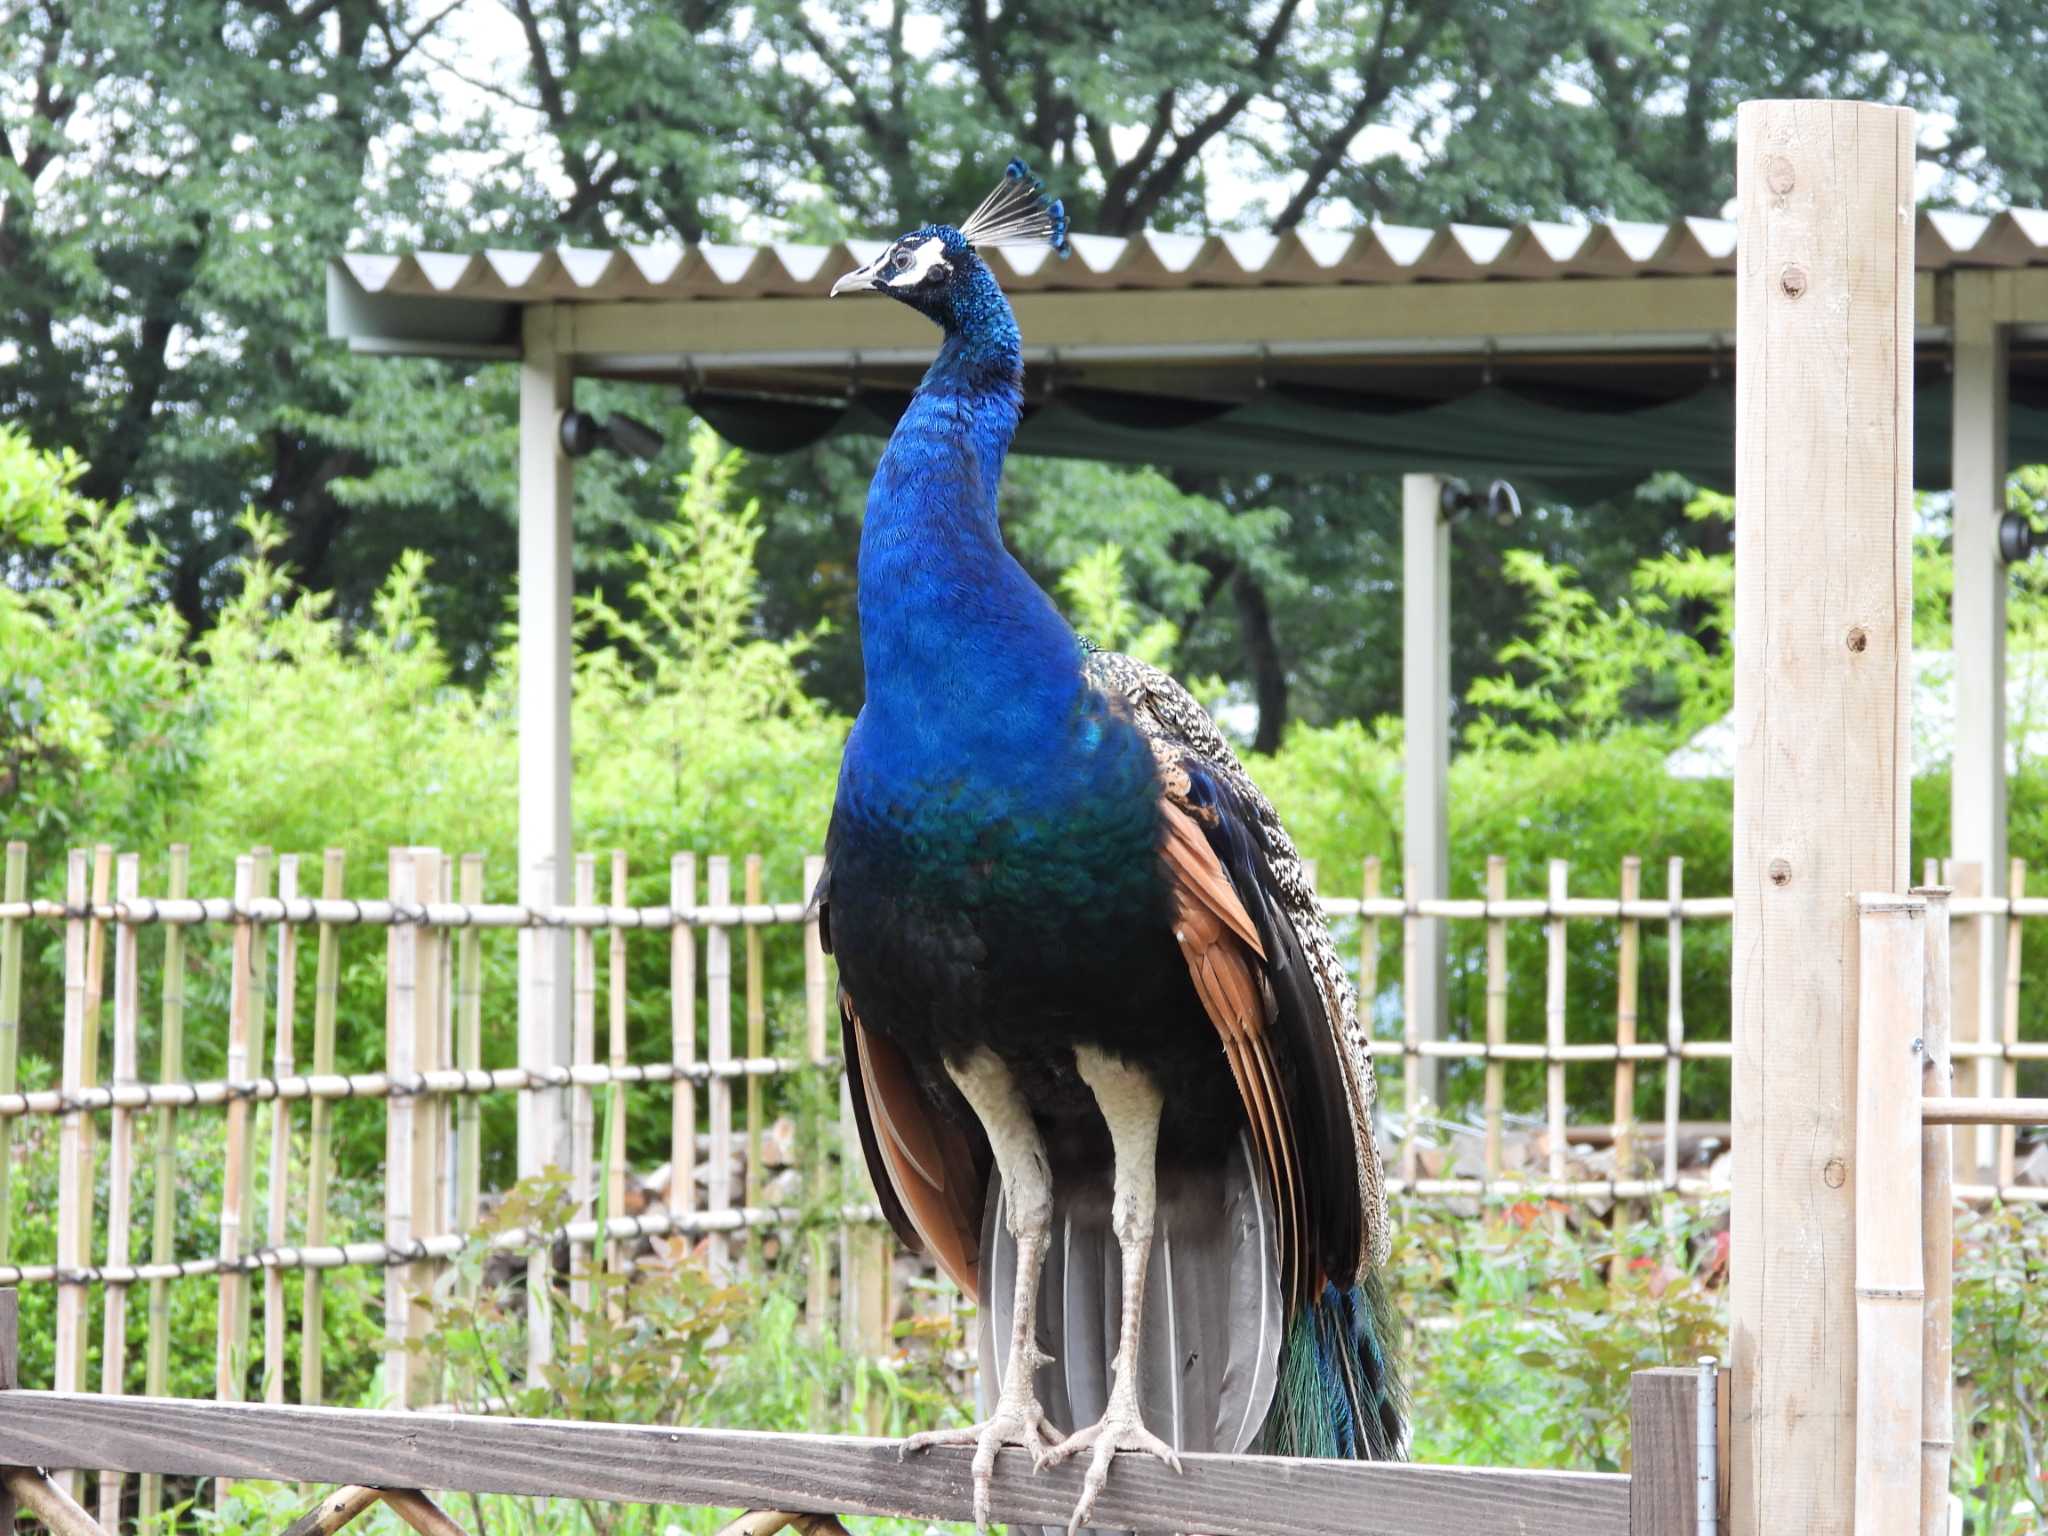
(1380,253)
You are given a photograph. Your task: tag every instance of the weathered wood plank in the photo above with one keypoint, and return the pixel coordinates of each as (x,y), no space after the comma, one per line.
(1823,663)
(1222,1495)
(1663,1452)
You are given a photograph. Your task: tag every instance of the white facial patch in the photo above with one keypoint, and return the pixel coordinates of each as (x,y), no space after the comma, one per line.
(929,254)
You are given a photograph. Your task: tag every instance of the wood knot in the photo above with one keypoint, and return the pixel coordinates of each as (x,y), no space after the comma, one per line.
(1859,640)
(1793,281)
(1779,175)
(1780,871)
(1835,1174)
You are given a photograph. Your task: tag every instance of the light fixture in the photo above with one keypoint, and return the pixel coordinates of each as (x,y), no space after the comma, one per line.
(1500,501)
(583,434)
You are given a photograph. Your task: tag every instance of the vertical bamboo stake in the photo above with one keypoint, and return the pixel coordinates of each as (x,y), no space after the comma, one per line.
(1890,1293)
(228,1368)
(615,1115)
(757,1046)
(444,1054)
(1674,1018)
(320,1154)
(682,1028)
(818,1275)
(120,1167)
(1625,1021)
(156,1378)
(95,987)
(426,1026)
(2009,1036)
(1553,1018)
(1496,1011)
(718,979)
(1970,1013)
(1369,948)
(260,1115)
(583,1108)
(282,1066)
(401,987)
(1937,1232)
(15,890)
(1824,296)
(469,1049)
(74,1217)
(1411,1032)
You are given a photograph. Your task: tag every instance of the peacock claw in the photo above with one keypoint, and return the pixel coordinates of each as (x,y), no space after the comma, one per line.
(1119,1429)
(1017,1421)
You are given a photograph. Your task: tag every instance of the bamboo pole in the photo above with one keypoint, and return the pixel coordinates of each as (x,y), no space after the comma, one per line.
(1369,946)
(50,1501)
(1554,1022)
(1937,1232)
(2009,1033)
(718,979)
(818,1272)
(469,1050)
(1625,1018)
(444,1051)
(421,1512)
(164,1195)
(1823,666)
(1496,1011)
(682,1026)
(320,1151)
(333,1512)
(229,1363)
(259,1116)
(615,1112)
(1674,1017)
(14,891)
(582,1102)
(282,1066)
(1890,1293)
(95,989)
(757,1045)
(428,1025)
(401,988)
(74,1158)
(1411,1024)
(120,1169)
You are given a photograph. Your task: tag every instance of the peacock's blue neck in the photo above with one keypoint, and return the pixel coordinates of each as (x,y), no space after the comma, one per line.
(974,686)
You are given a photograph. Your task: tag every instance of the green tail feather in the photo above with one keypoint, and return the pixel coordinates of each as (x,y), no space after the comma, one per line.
(1339,1393)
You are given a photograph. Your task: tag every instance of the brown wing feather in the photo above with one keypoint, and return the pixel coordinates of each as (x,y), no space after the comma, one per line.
(931,1183)
(1226,963)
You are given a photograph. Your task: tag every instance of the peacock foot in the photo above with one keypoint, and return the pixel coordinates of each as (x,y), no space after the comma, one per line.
(1018,1420)
(1120,1429)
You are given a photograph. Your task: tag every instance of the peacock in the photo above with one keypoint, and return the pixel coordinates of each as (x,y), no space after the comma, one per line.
(1103,1057)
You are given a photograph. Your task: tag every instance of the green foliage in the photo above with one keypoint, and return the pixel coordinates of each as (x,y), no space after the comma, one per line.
(2001,1316)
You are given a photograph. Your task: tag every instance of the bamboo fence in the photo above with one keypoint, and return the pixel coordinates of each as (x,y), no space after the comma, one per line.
(279,1168)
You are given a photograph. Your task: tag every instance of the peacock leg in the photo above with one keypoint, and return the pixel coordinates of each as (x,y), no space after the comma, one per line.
(1130,1102)
(1019,1151)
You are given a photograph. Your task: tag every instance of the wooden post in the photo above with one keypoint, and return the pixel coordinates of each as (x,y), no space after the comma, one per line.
(14,890)
(718,978)
(1414,1084)
(1937,1228)
(546,647)
(1426,718)
(320,1153)
(1666,1488)
(120,1166)
(1496,1012)
(469,1050)
(1890,1295)
(1823,633)
(156,1376)
(1553,1019)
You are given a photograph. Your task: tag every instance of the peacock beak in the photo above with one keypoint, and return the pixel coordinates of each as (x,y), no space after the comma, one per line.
(861,279)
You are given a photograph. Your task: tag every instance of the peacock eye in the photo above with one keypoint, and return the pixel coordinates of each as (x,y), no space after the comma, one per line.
(900,262)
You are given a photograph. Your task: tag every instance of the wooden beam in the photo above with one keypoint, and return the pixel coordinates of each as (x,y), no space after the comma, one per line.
(1823,634)
(648,1464)
(1426,726)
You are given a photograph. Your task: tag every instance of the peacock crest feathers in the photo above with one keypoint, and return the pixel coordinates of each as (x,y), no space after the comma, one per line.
(1018,212)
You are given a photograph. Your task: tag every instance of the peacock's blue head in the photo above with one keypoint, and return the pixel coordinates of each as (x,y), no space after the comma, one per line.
(935,269)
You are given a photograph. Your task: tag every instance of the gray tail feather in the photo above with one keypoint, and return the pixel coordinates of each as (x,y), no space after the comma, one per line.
(1212,1346)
